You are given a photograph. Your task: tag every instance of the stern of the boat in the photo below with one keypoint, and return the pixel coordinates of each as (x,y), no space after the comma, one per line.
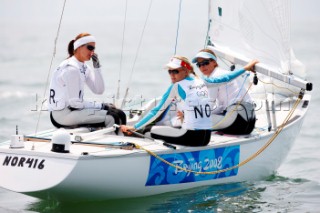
(26,171)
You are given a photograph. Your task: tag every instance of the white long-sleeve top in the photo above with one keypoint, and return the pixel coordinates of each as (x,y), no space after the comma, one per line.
(191,96)
(213,84)
(229,93)
(67,85)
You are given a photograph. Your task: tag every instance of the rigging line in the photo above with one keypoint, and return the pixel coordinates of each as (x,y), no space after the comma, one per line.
(226,62)
(122,45)
(243,82)
(48,75)
(289,4)
(240,164)
(280,87)
(136,55)
(233,110)
(178,27)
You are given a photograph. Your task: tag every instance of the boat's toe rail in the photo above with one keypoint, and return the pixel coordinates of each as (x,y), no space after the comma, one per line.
(285,113)
(104,145)
(102,142)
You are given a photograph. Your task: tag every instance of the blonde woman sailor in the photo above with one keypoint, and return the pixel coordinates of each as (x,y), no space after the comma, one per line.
(234,112)
(191,97)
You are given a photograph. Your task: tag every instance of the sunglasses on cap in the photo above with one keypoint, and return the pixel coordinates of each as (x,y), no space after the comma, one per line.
(173,72)
(90,47)
(203,63)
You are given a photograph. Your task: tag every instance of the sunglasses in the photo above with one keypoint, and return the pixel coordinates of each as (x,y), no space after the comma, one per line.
(173,72)
(90,47)
(203,63)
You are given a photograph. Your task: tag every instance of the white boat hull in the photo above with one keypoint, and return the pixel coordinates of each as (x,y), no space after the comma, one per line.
(95,173)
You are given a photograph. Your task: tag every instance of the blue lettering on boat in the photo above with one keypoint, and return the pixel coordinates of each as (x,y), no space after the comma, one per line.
(16,161)
(160,173)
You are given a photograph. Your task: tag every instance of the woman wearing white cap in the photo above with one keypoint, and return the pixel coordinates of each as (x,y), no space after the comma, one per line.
(190,95)
(234,112)
(66,103)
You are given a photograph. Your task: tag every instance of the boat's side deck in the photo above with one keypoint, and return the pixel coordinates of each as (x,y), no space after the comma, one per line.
(104,143)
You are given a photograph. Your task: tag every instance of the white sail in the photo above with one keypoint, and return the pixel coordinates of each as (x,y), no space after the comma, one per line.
(256,29)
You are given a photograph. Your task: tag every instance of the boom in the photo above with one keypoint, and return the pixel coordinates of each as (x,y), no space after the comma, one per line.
(263,69)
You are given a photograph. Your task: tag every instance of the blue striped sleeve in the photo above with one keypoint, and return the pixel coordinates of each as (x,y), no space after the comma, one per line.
(157,110)
(224,78)
(181,92)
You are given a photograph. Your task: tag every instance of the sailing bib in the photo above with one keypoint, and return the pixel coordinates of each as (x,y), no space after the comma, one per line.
(191,97)
(67,85)
(197,106)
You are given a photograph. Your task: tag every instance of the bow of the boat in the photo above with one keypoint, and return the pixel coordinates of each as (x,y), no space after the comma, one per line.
(264,154)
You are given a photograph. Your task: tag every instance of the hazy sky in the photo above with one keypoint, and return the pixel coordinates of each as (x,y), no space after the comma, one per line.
(106,15)
(306,9)
(301,9)
(31,25)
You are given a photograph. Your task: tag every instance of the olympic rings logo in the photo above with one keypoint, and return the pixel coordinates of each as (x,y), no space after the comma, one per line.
(202,93)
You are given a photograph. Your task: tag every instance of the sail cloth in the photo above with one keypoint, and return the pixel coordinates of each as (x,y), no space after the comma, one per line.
(256,29)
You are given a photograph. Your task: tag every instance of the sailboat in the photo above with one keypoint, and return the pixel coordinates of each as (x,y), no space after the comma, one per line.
(81,164)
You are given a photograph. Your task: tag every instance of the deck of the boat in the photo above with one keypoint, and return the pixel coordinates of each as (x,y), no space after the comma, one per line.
(114,145)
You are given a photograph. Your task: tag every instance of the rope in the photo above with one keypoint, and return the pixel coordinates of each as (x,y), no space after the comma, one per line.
(277,132)
(48,75)
(238,103)
(242,86)
(177,35)
(137,53)
(233,110)
(280,87)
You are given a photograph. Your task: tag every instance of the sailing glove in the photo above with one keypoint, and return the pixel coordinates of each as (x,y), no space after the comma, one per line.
(108,106)
(95,60)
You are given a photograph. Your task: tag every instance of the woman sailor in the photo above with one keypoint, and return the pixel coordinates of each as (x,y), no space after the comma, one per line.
(190,95)
(66,103)
(234,112)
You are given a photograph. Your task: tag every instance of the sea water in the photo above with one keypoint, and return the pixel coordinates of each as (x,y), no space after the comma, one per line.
(28,33)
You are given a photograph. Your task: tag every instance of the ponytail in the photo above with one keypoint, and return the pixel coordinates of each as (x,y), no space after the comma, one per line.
(71,43)
(70,48)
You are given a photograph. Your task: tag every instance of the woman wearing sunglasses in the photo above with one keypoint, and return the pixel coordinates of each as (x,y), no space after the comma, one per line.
(234,110)
(190,96)
(66,103)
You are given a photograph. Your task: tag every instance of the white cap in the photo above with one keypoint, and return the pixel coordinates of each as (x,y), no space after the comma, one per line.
(176,63)
(205,55)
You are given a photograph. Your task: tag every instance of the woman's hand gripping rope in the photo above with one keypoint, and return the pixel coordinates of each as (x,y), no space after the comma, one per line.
(130,130)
